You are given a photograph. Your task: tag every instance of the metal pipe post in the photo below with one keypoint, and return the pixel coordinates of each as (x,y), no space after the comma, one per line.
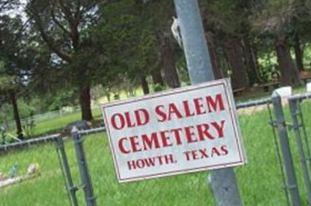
(285,149)
(223,181)
(84,174)
(293,105)
(194,42)
(63,160)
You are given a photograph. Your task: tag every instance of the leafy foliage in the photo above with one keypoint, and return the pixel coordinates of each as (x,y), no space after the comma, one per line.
(66,46)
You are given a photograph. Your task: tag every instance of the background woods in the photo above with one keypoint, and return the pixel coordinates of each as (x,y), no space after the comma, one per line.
(62,53)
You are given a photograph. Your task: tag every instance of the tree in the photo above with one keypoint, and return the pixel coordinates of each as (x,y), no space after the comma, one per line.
(6,5)
(226,27)
(274,20)
(8,93)
(117,32)
(160,14)
(14,60)
(65,27)
(130,44)
(212,47)
(300,30)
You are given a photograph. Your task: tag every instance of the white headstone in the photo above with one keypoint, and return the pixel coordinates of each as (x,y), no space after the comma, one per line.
(283,92)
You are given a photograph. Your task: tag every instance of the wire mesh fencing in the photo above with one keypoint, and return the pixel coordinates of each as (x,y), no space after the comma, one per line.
(30,174)
(299,129)
(262,181)
(187,189)
(39,124)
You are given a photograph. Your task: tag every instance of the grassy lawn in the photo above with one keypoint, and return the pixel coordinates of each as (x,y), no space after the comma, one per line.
(56,124)
(260,181)
(60,122)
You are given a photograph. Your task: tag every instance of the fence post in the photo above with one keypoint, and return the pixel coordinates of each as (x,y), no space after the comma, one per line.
(285,149)
(223,181)
(293,105)
(63,160)
(83,169)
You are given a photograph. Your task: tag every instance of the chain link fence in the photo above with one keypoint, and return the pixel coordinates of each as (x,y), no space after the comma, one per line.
(30,174)
(262,181)
(36,125)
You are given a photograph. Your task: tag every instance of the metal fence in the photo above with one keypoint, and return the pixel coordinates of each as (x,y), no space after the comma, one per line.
(31,174)
(31,121)
(299,108)
(79,170)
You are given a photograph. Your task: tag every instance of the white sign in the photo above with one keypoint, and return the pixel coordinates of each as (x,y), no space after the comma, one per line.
(183,130)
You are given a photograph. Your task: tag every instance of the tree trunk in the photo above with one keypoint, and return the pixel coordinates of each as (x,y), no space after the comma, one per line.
(251,62)
(19,130)
(298,53)
(85,103)
(144,85)
(235,59)
(218,73)
(157,77)
(168,63)
(289,74)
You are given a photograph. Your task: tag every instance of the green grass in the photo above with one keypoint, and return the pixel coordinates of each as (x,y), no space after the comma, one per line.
(260,93)
(260,180)
(48,189)
(60,122)
(55,123)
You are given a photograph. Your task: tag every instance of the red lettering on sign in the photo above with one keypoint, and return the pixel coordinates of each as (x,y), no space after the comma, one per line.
(173,110)
(165,138)
(216,104)
(203,131)
(151,142)
(168,138)
(129,120)
(142,117)
(195,127)
(215,151)
(151,162)
(176,134)
(135,144)
(161,114)
(205,153)
(219,128)
(188,112)
(120,121)
(224,149)
(114,121)
(122,147)
(189,132)
(197,106)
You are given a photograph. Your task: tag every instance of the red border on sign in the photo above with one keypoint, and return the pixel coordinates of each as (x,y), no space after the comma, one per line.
(234,122)
(231,105)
